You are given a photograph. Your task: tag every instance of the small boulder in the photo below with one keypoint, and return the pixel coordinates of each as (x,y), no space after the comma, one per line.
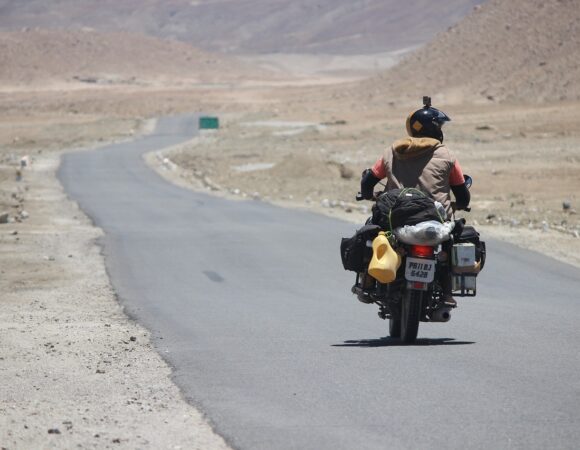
(346,173)
(566,205)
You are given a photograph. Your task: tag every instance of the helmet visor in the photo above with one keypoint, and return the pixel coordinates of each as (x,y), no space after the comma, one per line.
(440,117)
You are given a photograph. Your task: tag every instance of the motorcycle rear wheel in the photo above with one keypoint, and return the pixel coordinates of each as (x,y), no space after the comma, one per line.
(410,315)
(395,328)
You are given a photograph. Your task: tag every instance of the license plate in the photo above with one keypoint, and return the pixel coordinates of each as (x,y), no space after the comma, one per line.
(418,269)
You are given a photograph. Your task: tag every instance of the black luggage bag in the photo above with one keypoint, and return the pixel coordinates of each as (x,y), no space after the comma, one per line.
(354,251)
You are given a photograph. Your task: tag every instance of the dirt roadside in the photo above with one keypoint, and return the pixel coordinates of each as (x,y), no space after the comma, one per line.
(77,373)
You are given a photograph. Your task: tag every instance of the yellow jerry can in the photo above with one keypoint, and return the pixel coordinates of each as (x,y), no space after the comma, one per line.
(385,261)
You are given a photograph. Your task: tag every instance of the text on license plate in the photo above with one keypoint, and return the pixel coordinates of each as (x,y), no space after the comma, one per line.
(418,269)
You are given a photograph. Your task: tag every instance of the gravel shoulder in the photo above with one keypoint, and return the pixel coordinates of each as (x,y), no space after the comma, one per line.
(77,372)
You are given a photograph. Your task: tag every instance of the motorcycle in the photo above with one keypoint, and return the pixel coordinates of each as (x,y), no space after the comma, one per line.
(407,270)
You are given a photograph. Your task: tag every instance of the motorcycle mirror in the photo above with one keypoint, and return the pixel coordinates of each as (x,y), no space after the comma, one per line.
(468,181)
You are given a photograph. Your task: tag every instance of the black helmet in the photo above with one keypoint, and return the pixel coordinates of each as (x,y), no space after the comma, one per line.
(427,121)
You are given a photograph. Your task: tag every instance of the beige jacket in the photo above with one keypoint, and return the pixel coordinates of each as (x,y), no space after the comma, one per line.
(422,163)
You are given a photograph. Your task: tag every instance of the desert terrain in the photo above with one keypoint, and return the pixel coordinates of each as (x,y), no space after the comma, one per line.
(299,138)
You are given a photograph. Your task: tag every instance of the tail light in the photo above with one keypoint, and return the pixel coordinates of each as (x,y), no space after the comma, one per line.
(422,251)
(417,285)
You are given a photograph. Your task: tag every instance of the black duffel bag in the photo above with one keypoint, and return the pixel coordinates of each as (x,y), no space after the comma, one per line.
(399,207)
(354,251)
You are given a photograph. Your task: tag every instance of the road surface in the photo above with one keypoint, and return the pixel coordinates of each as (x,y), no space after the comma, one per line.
(250,305)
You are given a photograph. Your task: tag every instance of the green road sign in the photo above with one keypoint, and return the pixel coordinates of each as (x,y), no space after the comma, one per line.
(209,123)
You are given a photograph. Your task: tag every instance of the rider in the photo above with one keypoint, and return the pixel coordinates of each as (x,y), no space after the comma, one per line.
(422,161)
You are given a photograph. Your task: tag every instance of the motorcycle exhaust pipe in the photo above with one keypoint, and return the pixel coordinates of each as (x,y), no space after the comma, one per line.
(441,315)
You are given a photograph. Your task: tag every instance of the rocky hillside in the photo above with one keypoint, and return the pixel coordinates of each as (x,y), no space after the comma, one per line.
(507,50)
(253,26)
(42,56)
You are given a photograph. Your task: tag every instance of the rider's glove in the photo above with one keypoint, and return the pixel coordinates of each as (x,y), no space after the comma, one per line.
(367,184)
(462,196)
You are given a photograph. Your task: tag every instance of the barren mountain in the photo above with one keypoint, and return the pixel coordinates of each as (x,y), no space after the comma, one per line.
(106,58)
(516,50)
(253,26)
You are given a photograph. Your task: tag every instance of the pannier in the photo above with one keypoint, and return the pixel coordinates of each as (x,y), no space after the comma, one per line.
(467,259)
(354,251)
(468,234)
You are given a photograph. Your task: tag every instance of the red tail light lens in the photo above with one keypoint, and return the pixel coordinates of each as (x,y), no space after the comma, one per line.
(417,285)
(422,251)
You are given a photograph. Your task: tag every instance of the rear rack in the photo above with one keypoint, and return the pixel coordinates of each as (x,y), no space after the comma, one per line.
(464,284)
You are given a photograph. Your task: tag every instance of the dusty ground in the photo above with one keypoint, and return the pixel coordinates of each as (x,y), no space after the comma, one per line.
(525,163)
(77,372)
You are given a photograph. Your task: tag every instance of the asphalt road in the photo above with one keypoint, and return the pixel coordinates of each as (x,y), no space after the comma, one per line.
(250,305)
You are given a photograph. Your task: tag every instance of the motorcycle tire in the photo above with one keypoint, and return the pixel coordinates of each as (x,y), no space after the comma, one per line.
(410,315)
(395,328)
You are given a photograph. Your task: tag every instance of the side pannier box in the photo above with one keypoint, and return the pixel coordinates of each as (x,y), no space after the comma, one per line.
(467,260)
(463,256)
(465,269)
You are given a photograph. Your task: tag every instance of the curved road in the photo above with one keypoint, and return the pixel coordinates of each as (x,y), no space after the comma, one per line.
(250,305)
